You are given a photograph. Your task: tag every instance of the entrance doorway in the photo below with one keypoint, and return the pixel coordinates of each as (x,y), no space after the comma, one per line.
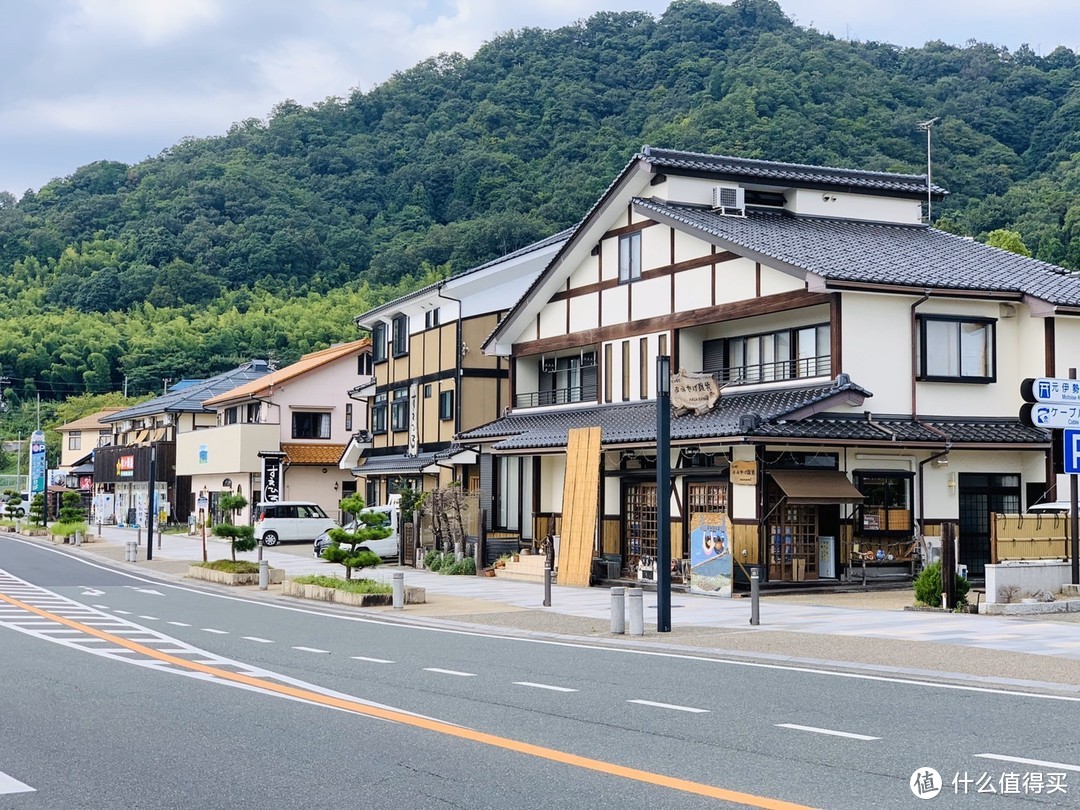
(980,494)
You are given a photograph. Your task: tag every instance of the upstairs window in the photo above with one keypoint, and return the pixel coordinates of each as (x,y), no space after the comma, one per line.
(310,425)
(399,410)
(956,349)
(431,318)
(230,416)
(75,440)
(629,257)
(348,417)
(446,405)
(378,414)
(401,335)
(378,343)
(782,355)
(363,362)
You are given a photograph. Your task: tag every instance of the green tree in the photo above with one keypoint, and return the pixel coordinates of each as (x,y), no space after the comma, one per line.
(241,538)
(1007,240)
(369,527)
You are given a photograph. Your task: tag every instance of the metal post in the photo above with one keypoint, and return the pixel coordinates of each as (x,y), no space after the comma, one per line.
(755,596)
(159,536)
(618,611)
(202,518)
(637,612)
(138,535)
(1074,519)
(152,505)
(547,582)
(399,590)
(663,494)
(99,528)
(264,574)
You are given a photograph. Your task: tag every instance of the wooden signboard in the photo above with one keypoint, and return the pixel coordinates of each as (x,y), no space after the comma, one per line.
(744,473)
(581,495)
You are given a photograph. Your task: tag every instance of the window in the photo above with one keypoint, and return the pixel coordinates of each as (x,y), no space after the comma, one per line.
(348,417)
(399,410)
(378,343)
(639,515)
(431,318)
(568,379)
(310,425)
(230,416)
(782,355)
(363,364)
(446,405)
(75,440)
(378,414)
(251,413)
(427,391)
(630,257)
(956,350)
(401,335)
(887,504)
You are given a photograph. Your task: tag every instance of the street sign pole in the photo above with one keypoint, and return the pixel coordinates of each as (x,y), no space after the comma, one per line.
(1071,444)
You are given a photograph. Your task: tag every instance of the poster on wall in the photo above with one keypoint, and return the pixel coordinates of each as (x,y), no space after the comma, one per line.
(710,554)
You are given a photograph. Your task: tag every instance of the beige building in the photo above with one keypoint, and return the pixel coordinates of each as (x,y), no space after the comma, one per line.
(78,439)
(290,426)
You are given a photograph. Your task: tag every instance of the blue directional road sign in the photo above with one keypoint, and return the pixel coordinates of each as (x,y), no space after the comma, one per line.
(1072,451)
(1050,415)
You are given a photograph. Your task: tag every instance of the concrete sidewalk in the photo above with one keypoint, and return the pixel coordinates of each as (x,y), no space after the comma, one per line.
(859,629)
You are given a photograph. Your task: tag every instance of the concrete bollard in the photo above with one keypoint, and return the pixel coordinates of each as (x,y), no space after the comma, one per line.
(636,609)
(755,596)
(399,590)
(78,538)
(159,537)
(264,574)
(131,551)
(138,536)
(99,529)
(547,583)
(618,611)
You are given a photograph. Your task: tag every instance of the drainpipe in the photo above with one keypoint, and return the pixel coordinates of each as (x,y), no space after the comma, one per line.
(922,500)
(915,351)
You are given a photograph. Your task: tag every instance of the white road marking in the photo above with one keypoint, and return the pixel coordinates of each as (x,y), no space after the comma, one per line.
(9,784)
(544,686)
(180,624)
(311,649)
(1040,762)
(87,591)
(372,660)
(144,590)
(103,607)
(256,638)
(690,709)
(217,632)
(828,731)
(450,672)
(123,612)
(151,618)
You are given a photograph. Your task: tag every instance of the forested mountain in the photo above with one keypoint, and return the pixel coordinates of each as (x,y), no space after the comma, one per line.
(269,238)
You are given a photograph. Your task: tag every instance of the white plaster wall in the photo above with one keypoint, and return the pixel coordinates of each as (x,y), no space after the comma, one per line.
(311,484)
(853,206)
(941,500)
(682,189)
(689,247)
(651,297)
(693,289)
(552,474)
(323,389)
(652,350)
(743,498)
(775,281)
(586,273)
(614,305)
(1066,345)
(736,280)
(584,312)
(768,323)
(553,319)
(876,349)
(610,491)
(609,251)
(527,374)
(655,247)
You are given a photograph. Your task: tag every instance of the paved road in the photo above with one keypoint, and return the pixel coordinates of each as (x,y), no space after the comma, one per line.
(142,714)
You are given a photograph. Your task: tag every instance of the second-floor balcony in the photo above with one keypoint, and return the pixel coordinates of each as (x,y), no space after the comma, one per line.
(226,448)
(776,371)
(585,392)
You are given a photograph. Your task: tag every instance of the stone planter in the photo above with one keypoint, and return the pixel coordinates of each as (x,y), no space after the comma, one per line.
(413,596)
(277,576)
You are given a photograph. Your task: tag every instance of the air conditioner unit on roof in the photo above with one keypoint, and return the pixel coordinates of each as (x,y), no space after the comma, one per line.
(730,200)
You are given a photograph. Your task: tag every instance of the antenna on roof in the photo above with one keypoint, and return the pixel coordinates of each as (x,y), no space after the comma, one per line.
(926,125)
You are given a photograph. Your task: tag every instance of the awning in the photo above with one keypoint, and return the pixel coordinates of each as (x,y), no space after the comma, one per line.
(414,465)
(816,486)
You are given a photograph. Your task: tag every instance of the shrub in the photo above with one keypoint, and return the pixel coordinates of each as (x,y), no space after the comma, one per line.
(369,526)
(466,565)
(231,566)
(928,587)
(348,585)
(433,560)
(67,529)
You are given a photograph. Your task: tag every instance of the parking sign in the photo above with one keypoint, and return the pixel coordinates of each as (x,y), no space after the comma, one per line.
(1072,451)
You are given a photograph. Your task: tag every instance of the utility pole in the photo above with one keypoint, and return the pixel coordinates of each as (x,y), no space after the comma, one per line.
(926,125)
(125,386)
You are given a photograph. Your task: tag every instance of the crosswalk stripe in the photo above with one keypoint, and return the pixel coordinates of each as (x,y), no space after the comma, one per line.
(9,784)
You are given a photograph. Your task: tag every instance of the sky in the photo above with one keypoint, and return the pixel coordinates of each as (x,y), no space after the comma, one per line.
(87,80)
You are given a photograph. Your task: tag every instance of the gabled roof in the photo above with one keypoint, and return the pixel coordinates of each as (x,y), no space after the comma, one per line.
(189,399)
(264,385)
(868,253)
(725,167)
(94,421)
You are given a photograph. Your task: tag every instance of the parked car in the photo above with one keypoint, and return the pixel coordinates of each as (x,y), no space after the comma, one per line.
(1050,508)
(290,521)
(387,547)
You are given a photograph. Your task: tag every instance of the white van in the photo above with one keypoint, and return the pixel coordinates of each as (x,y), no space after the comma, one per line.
(290,521)
(386,548)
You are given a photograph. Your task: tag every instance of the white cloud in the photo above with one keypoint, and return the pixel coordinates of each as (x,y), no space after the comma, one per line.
(151,21)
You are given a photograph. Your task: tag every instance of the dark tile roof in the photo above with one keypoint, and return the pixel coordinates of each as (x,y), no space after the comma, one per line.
(629,424)
(904,430)
(873,253)
(189,398)
(734,168)
(401,464)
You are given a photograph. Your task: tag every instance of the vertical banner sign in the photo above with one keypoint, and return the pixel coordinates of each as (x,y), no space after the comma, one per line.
(37,462)
(271,477)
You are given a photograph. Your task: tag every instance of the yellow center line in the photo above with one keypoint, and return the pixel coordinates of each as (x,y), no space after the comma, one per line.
(427,724)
